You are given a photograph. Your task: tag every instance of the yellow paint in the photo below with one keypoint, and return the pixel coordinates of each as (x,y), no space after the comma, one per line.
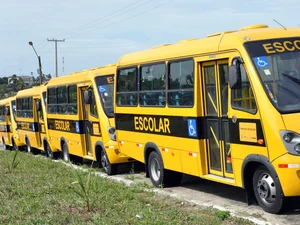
(248,132)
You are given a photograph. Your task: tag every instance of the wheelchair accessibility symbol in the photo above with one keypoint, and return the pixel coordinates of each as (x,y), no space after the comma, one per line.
(192,128)
(261,61)
(77,127)
(102,89)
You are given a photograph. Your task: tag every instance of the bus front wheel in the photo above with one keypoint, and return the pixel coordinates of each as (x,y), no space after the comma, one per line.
(267,191)
(65,153)
(109,169)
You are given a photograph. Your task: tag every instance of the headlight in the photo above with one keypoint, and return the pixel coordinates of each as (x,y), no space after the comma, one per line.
(112,133)
(291,141)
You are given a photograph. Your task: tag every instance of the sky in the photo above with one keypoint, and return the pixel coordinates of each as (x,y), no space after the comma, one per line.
(98,32)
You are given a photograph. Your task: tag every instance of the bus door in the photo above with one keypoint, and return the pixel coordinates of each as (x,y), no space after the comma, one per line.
(9,125)
(215,92)
(39,126)
(88,119)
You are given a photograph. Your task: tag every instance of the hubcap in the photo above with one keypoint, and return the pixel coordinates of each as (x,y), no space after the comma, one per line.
(155,169)
(266,188)
(28,148)
(104,161)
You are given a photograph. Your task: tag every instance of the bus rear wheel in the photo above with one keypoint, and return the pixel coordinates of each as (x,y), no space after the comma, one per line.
(159,176)
(65,153)
(29,148)
(267,191)
(109,169)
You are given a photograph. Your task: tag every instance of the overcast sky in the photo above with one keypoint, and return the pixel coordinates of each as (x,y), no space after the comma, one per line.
(98,32)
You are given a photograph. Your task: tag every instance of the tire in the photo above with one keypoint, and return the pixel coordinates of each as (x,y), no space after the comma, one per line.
(7,147)
(50,154)
(65,153)
(28,147)
(268,191)
(156,170)
(109,169)
(14,145)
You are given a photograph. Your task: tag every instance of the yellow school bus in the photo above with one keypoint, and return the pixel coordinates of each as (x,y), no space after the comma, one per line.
(11,138)
(224,108)
(6,124)
(31,120)
(80,114)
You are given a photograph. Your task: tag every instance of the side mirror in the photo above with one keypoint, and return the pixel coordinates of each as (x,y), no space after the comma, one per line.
(88,96)
(235,75)
(7,111)
(38,106)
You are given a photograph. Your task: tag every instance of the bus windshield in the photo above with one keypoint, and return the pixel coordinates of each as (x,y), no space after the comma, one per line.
(277,63)
(105,87)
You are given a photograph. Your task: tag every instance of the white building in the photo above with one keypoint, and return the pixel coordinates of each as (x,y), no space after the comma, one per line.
(28,80)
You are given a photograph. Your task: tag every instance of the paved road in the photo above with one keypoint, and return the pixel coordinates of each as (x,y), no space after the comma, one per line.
(206,193)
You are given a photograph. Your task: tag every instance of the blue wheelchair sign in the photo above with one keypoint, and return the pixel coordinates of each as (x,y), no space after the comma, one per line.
(192,128)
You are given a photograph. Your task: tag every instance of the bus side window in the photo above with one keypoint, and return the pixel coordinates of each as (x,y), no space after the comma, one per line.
(127,87)
(243,98)
(93,107)
(181,84)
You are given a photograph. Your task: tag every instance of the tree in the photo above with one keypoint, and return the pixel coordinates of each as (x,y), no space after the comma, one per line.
(20,84)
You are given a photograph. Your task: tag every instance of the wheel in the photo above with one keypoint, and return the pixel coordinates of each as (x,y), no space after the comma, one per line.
(267,191)
(6,147)
(14,145)
(28,147)
(109,169)
(50,154)
(65,153)
(156,170)
(159,176)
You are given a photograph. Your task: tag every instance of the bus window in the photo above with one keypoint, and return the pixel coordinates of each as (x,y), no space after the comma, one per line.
(62,100)
(181,83)
(72,99)
(153,85)
(52,100)
(127,87)
(243,98)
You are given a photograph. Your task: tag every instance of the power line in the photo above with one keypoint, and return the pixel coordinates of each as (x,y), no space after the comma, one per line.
(91,22)
(155,7)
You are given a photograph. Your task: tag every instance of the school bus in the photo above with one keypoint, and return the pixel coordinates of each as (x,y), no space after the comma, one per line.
(10,138)
(80,116)
(224,108)
(6,124)
(31,120)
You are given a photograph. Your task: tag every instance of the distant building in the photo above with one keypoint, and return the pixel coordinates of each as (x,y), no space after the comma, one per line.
(28,80)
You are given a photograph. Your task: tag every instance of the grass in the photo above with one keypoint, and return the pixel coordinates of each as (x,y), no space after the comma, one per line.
(40,191)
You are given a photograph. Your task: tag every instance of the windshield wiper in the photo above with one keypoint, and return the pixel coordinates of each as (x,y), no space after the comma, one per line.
(296,80)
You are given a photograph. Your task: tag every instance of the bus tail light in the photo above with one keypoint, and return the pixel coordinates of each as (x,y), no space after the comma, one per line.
(291,141)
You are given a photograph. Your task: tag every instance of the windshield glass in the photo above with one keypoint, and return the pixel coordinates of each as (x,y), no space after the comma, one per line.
(105,87)
(277,62)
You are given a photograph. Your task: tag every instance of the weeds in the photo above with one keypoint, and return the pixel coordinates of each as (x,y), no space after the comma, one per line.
(131,175)
(83,189)
(223,215)
(14,163)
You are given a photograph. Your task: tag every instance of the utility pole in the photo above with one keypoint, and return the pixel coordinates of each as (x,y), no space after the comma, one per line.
(56,40)
(63,67)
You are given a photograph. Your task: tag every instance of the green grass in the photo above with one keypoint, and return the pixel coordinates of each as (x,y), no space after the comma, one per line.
(40,191)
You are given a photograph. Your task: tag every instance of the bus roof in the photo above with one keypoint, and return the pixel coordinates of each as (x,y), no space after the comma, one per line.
(211,44)
(34,91)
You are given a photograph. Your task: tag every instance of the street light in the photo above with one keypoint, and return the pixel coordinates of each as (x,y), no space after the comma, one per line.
(40,64)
